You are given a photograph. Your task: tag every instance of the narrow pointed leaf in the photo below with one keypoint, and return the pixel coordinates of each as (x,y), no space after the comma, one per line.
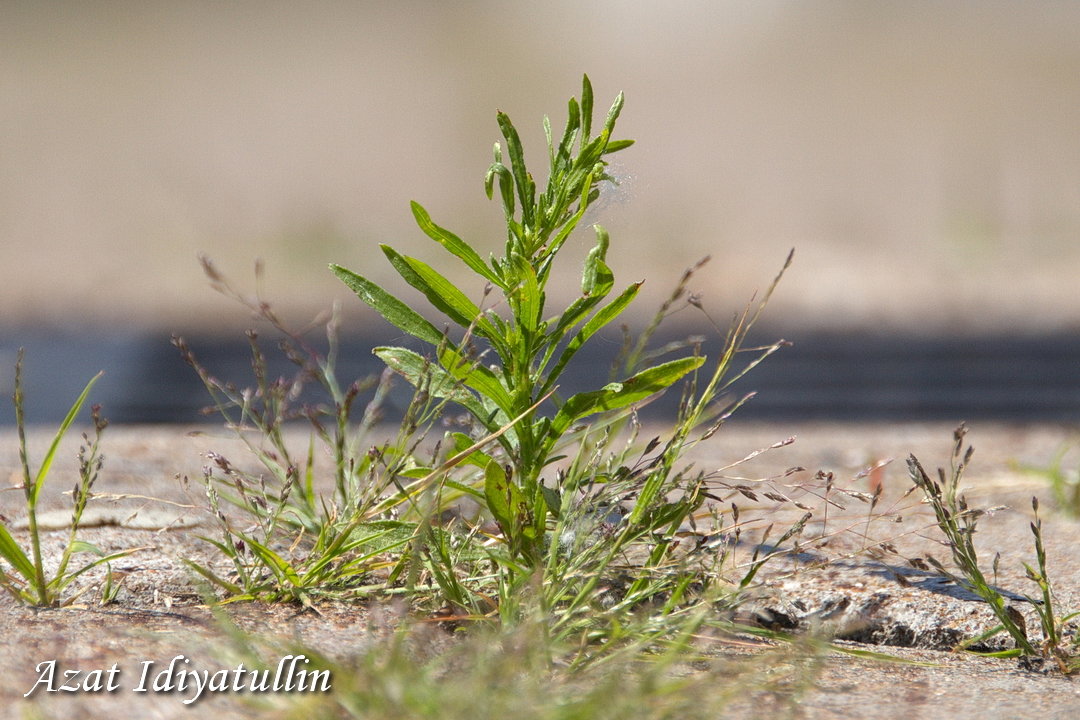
(477,458)
(591,153)
(504,500)
(454,244)
(562,156)
(550,144)
(613,113)
(527,295)
(621,394)
(596,272)
(424,374)
(43,471)
(10,551)
(604,316)
(62,581)
(474,375)
(506,186)
(438,290)
(210,575)
(617,145)
(443,294)
(525,186)
(572,222)
(277,564)
(596,282)
(586,107)
(393,310)
(573,314)
(553,500)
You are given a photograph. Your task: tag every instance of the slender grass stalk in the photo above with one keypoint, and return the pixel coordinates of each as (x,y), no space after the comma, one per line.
(30,582)
(29,487)
(958,522)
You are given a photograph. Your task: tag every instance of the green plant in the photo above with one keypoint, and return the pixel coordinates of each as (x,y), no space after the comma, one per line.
(582,531)
(29,579)
(958,522)
(307,540)
(502,367)
(288,535)
(532,348)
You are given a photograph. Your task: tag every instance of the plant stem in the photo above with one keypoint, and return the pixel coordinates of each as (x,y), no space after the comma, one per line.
(28,487)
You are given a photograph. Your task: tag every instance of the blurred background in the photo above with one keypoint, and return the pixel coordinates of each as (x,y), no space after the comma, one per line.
(922,158)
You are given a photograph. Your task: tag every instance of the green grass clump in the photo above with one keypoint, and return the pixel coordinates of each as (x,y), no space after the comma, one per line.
(28,579)
(958,523)
(579,527)
(296,539)
(504,366)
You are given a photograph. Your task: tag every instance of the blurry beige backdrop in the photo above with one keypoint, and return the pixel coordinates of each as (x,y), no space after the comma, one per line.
(923,157)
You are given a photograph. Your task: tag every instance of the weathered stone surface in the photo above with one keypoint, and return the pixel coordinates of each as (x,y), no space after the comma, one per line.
(858,575)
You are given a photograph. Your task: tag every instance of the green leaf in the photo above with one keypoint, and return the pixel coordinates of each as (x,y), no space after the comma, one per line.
(506,184)
(438,290)
(621,394)
(561,161)
(527,296)
(570,317)
(613,113)
(454,244)
(596,282)
(525,186)
(423,374)
(662,517)
(590,155)
(571,223)
(617,145)
(586,107)
(393,310)
(14,554)
(392,535)
(476,376)
(596,273)
(416,473)
(550,146)
(281,567)
(504,500)
(553,500)
(78,546)
(539,515)
(210,575)
(443,294)
(61,581)
(463,489)
(43,471)
(604,316)
(477,458)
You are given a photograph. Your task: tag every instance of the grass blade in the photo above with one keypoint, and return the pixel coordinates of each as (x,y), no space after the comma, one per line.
(14,554)
(46,463)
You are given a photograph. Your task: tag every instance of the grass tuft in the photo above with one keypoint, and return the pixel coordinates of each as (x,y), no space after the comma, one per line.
(957,521)
(27,579)
(534,508)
